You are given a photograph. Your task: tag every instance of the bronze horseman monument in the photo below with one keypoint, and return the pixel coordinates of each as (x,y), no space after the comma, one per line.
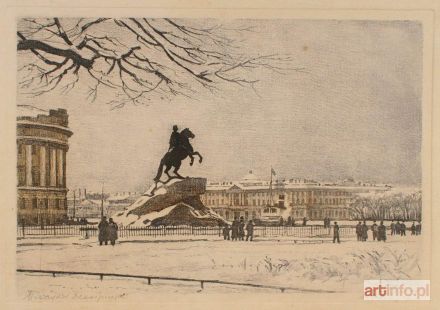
(175,201)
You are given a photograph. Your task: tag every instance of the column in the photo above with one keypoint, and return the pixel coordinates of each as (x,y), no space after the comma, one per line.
(42,165)
(64,170)
(53,167)
(28,165)
(60,171)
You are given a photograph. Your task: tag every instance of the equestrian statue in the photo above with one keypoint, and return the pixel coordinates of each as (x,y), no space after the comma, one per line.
(180,148)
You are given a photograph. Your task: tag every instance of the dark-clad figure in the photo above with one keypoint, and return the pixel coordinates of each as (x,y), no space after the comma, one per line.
(234,230)
(374,230)
(112,231)
(381,232)
(103,231)
(359,231)
(419,228)
(393,228)
(403,229)
(304,221)
(241,229)
(336,233)
(413,229)
(250,231)
(281,221)
(226,232)
(397,228)
(174,138)
(364,231)
(328,222)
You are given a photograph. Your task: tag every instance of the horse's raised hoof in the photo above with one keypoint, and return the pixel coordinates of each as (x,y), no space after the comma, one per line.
(200,160)
(191,164)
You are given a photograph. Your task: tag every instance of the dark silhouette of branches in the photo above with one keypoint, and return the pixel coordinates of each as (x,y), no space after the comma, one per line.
(134,58)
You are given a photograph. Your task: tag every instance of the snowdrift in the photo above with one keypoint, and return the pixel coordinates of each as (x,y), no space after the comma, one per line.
(174,203)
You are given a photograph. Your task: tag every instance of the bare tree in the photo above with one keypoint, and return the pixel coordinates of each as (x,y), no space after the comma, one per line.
(134,58)
(397,206)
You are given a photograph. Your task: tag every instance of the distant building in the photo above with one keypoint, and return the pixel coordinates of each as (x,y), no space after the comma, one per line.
(253,198)
(87,208)
(121,200)
(42,144)
(88,205)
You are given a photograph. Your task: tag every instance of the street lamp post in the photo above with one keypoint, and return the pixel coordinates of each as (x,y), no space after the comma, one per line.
(102,200)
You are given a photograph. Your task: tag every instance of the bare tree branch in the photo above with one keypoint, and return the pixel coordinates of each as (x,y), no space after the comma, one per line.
(135,58)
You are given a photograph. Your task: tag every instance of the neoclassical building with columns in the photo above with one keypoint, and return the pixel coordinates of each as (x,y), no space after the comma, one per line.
(256,199)
(42,144)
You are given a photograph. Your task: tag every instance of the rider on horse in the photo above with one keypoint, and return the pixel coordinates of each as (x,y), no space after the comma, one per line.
(175,138)
(180,148)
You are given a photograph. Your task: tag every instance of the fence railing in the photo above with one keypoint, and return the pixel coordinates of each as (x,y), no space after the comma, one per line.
(149,279)
(183,230)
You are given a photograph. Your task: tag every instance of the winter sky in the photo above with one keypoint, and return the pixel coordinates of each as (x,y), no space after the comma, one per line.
(355,112)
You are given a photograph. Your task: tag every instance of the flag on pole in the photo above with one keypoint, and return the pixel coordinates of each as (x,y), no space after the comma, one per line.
(273,172)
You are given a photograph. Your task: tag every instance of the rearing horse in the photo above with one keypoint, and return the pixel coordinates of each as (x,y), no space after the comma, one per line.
(176,155)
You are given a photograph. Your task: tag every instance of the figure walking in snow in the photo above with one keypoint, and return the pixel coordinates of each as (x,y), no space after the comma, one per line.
(241,229)
(112,231)
(250,231)
(419,228)
(359,231)
(413,229)
(304,221)
(234,230)
(403,229)
(226,232)
(374,230)
(381,232)
(103,231)
(336,233)
(364,231)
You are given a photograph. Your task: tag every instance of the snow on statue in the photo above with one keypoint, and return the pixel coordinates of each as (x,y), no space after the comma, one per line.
(175,201)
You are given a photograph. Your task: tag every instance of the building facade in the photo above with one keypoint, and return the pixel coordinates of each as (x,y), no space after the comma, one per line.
(255,199)
(42,145)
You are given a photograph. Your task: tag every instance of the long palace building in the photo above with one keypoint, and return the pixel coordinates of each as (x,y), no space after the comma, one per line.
(42,144)
(255,199)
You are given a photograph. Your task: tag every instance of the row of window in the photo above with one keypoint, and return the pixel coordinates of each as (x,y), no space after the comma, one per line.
(45,203)
(322,213)
(258,202)
(293,195)
(230,215)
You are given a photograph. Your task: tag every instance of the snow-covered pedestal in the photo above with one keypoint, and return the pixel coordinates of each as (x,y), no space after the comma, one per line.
(175,203)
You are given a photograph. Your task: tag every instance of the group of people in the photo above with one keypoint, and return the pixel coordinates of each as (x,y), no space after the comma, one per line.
(237,230)
(399,228)
(108,231)
(379,231)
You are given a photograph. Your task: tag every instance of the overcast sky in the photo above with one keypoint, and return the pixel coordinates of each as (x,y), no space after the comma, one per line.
(356,112)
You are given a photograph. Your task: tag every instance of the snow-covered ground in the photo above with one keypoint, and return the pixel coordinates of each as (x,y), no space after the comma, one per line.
(282,262)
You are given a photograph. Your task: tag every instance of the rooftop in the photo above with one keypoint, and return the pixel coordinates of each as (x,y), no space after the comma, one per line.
(31,114)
